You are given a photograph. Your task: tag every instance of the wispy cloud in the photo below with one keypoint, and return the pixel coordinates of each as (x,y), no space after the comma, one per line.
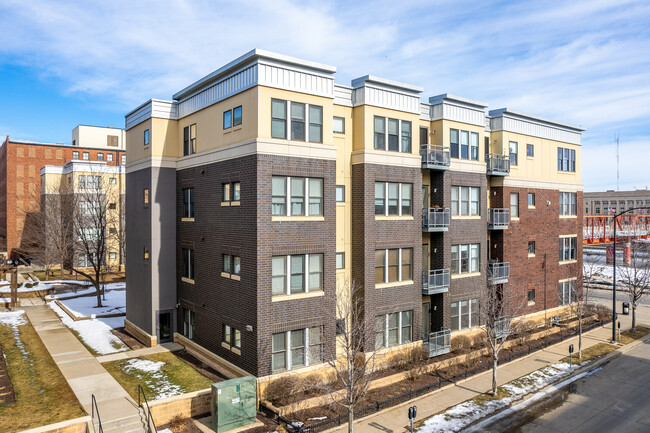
(584,62)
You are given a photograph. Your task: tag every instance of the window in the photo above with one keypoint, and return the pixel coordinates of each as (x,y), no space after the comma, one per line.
(297,121)
(231,264)
(300,273)
(146,137)
(188,323)
(568,203)
(393,329)
(188,203)
(301,116)
(86,156)
(513,152)
(315,124)
(112,255)
(395,129)
(531,248)
(112,180)
(463,144)
(75,154)
(236,118)
(514,205)
(227,119)
(393,265)
(112,140)
(453,142)
(531,296)
(305,196)
(145,254)
(464,314)
(340,260)
(465,200)
(112,206)
(236,191)
(188,263)
(340,326)
(146,196)
(473,146)
(400,198)
(566,159)
(226,333)
(297,348)
(90,182)
(340,193)
(530,150)
(100,156)
(531,199)
(278,118)
(567,249)
(124,159)
(338,125)
(109,157)
(225,192)
(189,140)
(567,292)
(464,258)
(424,135)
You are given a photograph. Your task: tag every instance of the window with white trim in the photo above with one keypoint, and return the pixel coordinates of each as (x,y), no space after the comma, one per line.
(146,137)
(568,248)
(400,198)
(340,193)
(464,258)
(464,314)
(463,144)
(231,264)
(338,125)
(530,150)
(393,265)
(566,159)
(340,260)
(189,140)
(531,199)
(392,134)
(296,348)
(296,196)
(303,118)
(86,156)
(568,203)
(393,329)
(465,200)
(100,156)
(298,273)
(514,152)
(231,336)
(567,292)
(514,205)
(90,182)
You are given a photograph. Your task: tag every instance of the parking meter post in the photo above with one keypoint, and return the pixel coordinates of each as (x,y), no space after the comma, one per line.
(14,289)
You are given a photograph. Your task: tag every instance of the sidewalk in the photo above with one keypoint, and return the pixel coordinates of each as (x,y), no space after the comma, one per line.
(80,368)
(395,419)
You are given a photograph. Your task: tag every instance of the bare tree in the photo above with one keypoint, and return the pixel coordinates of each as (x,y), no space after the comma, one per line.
(636,275)
(352,367)
(498,307)
(580,294)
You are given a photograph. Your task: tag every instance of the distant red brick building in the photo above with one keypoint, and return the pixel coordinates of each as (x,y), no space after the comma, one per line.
(20,166)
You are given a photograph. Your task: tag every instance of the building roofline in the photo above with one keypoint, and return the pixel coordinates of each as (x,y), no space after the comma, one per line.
(454,98)
(373,79)
(513,113)
(36,143)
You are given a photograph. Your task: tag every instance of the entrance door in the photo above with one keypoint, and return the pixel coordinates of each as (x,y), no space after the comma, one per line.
(426,320)
(165,326)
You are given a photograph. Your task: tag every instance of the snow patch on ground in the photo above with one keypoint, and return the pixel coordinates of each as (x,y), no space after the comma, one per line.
(461,415)
(86,306)
(13,319)
(318,418)
(87,290)
(155,380)
(95,333)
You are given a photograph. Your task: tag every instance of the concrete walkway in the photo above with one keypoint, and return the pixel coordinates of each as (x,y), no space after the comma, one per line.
(82,371)
(395,419)
(161,348)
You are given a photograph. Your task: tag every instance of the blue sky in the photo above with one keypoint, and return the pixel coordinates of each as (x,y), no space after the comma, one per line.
(64,63)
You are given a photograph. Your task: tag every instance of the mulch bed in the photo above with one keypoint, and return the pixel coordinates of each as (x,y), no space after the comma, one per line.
(200,366)
(6,387)
(127,338)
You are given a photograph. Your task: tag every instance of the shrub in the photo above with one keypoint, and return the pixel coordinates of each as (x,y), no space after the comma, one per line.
(280,390)
(461,343)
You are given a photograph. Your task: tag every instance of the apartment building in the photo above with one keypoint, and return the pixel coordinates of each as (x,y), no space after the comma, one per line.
(612,202)
(258,190)
(20,165)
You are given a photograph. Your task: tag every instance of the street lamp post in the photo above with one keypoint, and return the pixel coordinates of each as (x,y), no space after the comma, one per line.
(614,272)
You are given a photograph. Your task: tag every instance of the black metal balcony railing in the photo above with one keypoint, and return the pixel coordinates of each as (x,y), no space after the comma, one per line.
(497,165)
(435,219)
(435,157)
(498,272)
(439,342)
(435,281)
(498,218)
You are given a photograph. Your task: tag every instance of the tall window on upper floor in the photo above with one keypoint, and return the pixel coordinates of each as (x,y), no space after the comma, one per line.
(315,124)
(568,248)
(393,329)
(566,159)
(338,125)
(278,118)
(298,273)
(514,152)
(424,135)
(393,265)
(514,205)
(393,198)
(305,122)
(146,137)
(188,263)
(188,203)
(296,196)
(463,144)
(189,139)
(387,134)
(568,203)
(464,258)
(465,200)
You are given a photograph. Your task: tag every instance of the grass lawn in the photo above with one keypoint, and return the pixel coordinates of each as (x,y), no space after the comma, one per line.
(629,336)
(591,353)
(42,394)
(159,381)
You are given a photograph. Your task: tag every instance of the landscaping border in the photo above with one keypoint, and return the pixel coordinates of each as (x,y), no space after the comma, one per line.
(77,425)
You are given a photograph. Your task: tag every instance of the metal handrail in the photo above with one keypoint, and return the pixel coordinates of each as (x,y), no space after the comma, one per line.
(149,416)
(93,402)
(436,278)
(435,154)
(498,271)
(496,162)
(499,216)
(435,217)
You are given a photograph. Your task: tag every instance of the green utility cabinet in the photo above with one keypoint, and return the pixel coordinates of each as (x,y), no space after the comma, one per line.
(233,403)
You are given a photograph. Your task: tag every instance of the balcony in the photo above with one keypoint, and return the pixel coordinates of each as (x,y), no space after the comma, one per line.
(435,219)
(435,281)
(498,218)
(497,165)
(435,157)
(439,342)
(498,272)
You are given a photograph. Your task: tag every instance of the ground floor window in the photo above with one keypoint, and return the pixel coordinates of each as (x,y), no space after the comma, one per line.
(393,329)
(188,323)
(297,348)
(567,292)
(464,314)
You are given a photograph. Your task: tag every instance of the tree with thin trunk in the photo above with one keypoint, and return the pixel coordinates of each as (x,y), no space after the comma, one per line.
(352,368)
(635,276)
(579,294)
(498,306)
